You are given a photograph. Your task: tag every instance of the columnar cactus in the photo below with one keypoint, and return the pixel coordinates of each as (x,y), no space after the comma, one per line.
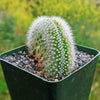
(50,40)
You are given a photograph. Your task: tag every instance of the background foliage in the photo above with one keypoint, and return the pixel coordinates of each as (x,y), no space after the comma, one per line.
(17,15)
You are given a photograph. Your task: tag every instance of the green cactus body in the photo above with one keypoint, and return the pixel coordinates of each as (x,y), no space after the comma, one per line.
(51,41)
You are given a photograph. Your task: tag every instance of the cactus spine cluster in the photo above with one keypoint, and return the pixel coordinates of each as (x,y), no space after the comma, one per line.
(50,40)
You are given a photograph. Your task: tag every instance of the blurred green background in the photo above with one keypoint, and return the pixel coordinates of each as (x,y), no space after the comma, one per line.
(82,15)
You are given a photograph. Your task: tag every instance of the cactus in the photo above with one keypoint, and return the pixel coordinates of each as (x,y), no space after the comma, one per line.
(50,40)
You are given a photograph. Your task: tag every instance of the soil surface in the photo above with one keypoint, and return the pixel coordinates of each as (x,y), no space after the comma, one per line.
(23,60)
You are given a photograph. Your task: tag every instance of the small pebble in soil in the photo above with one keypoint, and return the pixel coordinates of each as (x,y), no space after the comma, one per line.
(23,60)
(56,79)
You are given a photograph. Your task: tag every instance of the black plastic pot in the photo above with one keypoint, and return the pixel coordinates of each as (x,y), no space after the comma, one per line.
(23,85)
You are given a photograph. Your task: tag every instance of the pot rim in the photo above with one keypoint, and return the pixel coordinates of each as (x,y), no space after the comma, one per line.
(95,56)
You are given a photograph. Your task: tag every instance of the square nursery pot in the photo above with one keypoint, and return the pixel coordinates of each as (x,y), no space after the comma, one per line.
(24,85)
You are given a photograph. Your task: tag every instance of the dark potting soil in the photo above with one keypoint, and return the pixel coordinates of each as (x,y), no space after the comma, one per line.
(23,60)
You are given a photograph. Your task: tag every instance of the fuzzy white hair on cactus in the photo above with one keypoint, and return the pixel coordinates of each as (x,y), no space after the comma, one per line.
(50,39)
